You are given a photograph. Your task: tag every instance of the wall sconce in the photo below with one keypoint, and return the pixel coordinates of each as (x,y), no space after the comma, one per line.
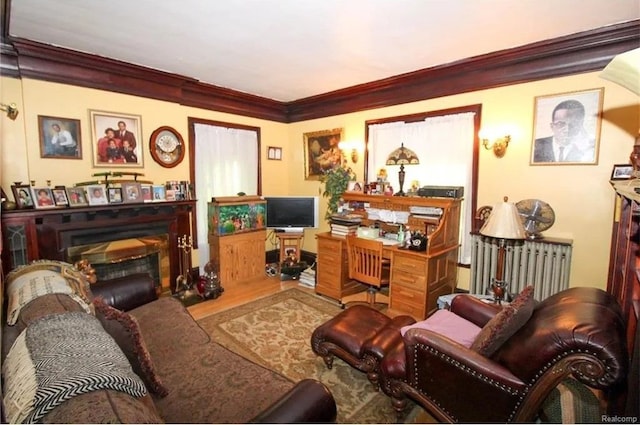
(11,110)
(350,149)
(499,145)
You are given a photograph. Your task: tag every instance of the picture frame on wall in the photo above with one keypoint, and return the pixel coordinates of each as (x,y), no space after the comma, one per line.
(566,128)
(116,139)
(59,137)
(42,197)
(321,152)
(622,172)
(77,196)
(22,195)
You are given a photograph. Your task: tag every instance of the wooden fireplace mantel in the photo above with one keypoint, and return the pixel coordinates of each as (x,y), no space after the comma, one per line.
(33,234)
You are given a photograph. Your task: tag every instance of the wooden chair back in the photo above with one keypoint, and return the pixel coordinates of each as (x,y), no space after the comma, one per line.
(366,261)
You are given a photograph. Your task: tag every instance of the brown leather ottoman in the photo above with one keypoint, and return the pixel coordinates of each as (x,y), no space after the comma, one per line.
(361,336)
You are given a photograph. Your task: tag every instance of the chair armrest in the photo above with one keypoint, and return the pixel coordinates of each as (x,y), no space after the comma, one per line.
(457,381)
(473,309)
(308,401)
(126,293)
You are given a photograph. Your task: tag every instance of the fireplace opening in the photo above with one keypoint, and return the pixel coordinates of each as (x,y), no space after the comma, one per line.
(119,258)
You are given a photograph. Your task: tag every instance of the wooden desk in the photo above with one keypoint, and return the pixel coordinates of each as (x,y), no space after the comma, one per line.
(417,278)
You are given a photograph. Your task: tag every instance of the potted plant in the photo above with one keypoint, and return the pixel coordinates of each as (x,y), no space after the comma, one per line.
(336,180)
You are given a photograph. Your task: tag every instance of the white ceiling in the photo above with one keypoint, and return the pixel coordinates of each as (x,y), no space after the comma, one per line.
(291,49)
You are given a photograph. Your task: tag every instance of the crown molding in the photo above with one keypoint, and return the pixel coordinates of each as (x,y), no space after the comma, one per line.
(577,53)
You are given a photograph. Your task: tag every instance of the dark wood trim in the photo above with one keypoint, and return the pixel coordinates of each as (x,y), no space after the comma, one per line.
(577,53)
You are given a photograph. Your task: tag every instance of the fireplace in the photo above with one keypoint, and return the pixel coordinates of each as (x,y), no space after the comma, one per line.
(116,239)
(122,257)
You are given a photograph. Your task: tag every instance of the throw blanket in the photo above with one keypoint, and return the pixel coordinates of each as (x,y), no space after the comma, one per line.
(39,278)
(58,357)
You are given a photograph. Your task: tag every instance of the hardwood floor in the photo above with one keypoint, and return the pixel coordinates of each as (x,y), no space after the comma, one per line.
(242,293)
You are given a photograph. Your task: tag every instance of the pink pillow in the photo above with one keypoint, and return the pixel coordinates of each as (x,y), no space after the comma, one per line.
(449,324)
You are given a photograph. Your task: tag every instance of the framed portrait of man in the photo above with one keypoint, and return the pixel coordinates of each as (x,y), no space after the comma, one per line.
(59,137)
(566,128)
(116,139)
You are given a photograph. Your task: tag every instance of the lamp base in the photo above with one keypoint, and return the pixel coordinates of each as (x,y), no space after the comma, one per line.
(400,193)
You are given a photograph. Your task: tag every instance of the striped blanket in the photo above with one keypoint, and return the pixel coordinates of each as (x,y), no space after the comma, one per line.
(58,357)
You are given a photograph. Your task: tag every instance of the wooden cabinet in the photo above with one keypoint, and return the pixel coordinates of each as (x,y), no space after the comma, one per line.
(236,237)
(238,257)
(417,278)
(624,283)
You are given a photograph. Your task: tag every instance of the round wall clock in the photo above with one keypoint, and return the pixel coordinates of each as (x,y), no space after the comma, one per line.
(166,147)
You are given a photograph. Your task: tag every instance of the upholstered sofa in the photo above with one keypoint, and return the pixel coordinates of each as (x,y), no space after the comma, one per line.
(186,377)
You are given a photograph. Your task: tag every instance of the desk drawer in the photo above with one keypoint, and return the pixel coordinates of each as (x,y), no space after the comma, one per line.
(409,263)
(409,280)
(331,270)
(405,301)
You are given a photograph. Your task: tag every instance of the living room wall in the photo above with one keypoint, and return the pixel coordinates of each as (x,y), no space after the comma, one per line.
(580,194)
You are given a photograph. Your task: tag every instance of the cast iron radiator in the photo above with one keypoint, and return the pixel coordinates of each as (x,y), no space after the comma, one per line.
(543,264)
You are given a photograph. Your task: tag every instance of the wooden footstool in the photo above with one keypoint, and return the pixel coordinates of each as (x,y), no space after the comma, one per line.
(361,336)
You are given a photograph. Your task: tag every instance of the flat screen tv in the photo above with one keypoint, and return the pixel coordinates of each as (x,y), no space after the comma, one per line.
(292,213)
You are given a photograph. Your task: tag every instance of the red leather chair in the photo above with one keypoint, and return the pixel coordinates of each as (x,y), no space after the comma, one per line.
(578,332)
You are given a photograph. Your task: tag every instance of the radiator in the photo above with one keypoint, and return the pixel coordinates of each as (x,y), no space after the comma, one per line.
(544,265)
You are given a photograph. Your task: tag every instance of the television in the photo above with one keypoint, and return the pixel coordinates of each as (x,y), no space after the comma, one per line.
(292,213)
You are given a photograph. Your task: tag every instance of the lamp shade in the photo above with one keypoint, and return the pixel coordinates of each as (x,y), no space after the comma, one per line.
(504,222)
(624,69)
(402,156)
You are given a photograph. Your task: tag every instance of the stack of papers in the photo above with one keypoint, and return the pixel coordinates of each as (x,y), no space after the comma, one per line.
(308,278)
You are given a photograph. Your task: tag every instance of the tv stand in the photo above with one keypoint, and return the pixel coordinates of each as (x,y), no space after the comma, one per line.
(287,241)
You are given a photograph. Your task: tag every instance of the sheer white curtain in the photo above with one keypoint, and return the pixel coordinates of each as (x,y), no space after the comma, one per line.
(444,145)
(226,163)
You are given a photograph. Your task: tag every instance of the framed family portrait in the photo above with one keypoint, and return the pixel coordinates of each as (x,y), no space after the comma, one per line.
(321,152)
(77,196)
(22,195)
(42,197)
(566,128)
(116,139)
(59,137)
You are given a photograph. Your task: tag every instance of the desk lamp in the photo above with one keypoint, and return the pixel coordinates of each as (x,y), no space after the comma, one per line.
(504,224)
(402,156)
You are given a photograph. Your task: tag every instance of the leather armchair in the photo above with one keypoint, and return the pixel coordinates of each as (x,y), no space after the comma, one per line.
(578,332)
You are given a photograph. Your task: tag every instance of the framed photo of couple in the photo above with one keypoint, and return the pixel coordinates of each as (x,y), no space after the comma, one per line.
(566,128)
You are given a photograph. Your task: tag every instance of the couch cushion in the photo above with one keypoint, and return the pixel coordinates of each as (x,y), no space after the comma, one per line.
(124,329)
(504,324)
(449,324)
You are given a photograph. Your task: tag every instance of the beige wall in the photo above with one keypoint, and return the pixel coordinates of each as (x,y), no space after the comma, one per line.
(580,195)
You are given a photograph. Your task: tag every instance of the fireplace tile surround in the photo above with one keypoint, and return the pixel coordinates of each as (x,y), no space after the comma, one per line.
(52,234)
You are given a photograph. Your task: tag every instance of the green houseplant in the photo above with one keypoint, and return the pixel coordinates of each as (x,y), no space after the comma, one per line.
(336,180)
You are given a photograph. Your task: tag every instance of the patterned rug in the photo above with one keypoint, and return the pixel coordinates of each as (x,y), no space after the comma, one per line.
(276,332)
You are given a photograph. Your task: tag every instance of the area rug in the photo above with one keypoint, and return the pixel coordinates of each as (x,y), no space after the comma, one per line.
(276,332)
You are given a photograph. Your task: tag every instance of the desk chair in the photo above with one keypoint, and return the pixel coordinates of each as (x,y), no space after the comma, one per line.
(367,266)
